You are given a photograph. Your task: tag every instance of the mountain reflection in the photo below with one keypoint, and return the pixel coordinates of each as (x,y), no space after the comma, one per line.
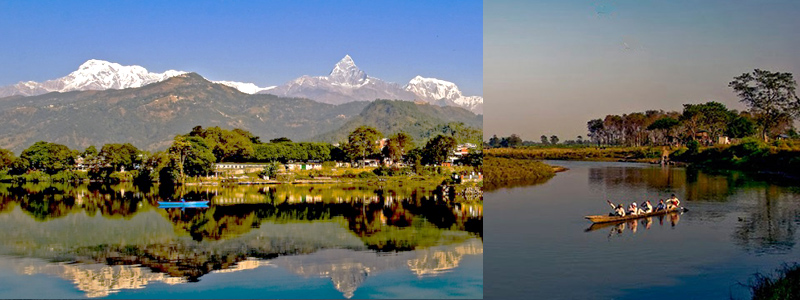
(106,238)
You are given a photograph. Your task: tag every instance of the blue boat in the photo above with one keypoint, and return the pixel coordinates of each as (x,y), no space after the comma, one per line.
(183,204)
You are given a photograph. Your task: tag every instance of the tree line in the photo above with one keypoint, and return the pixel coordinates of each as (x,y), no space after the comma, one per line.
(771,98)
(194,154)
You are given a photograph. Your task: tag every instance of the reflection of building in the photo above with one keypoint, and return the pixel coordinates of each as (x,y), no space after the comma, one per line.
(99,280)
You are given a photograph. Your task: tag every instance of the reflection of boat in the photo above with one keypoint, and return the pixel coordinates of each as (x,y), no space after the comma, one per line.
(607,219)
(183,204)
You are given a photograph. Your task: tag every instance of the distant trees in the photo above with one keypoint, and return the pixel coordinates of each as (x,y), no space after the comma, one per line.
(120,156)
(770,96)
(553,139)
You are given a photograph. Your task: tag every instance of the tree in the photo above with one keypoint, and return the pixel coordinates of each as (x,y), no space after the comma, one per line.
(397,145)
(544,140)
(740,127)
(6,159)
(48,157)
(579,140)
(554,139)
(280,140)
(494,142)
(179,151)
(770,95)
(120,155)
(665,126)
(595,130)
(228,145)
(269,170)
(363,142)
(438,149)
(90,152)
(514,140)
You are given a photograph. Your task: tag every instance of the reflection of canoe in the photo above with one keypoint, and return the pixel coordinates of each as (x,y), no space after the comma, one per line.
(607,219)
(183,204)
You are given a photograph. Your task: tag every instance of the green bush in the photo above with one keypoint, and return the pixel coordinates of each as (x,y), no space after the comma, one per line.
(366,174)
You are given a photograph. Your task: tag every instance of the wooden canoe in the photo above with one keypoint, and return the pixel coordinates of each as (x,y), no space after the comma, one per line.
(607,218)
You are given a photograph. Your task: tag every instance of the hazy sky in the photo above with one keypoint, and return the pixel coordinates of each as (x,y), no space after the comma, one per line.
(551,66)
(264,42)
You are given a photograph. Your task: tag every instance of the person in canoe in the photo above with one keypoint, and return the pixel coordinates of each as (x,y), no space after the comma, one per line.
(661,205)
(673,202)
(646,207)
(618,209)
(632,209)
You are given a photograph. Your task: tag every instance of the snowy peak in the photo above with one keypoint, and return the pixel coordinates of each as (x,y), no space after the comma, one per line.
(97,74)
(94,74)
(345,72)
(245,87)
(432,89)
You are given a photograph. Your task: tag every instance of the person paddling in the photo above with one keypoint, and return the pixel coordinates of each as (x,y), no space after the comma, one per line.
(673,202)
(632,209)
(618,209)
(661,205)
(646,207)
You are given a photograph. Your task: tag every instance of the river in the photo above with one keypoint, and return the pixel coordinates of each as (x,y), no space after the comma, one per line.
(284,241)
(539,246)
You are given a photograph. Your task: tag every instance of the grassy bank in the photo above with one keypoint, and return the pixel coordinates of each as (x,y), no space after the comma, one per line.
(503,172)
(786,285)
(579,153)
(749,155)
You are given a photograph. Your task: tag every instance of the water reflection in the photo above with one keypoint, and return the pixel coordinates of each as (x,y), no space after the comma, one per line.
(768,212)
(106,238)
(618,228)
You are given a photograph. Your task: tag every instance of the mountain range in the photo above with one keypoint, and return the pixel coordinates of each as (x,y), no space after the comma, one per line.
(345,83)
(151,115)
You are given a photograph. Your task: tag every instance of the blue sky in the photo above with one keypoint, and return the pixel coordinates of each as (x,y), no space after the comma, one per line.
(551,66)
(264,42)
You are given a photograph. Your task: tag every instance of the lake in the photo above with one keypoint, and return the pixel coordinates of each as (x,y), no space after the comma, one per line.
(539,246)
(279,241)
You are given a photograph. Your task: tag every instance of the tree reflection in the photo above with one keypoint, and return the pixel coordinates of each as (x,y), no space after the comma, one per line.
(770,226)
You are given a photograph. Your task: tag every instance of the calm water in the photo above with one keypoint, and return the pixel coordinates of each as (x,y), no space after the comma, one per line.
(99,241)
(539,246)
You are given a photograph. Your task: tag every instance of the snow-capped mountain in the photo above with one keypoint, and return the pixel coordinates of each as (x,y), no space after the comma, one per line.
(97,74)
(432,90)
(244,87)
(347,83)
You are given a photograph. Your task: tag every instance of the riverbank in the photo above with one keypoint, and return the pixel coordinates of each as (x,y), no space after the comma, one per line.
(634,154)
(751,155)
(506,172)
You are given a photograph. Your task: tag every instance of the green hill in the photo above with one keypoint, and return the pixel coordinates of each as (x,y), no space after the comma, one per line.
(150,116)
(420,120)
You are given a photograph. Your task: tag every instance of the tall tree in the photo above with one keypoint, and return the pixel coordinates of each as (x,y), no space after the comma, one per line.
(438,149)
(363,142)
(397,145)
(544,140)
(554,139)
(770,95)
(595,128)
